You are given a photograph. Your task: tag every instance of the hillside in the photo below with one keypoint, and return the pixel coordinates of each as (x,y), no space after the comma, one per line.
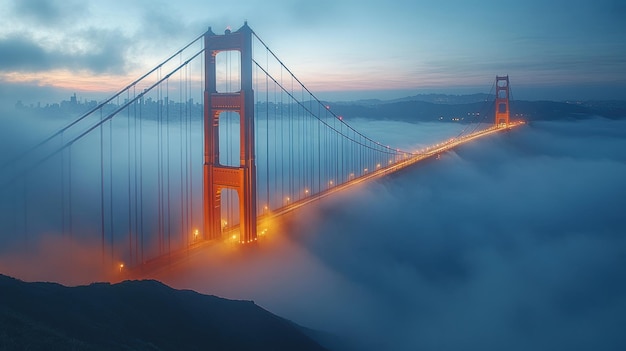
(472,108)
(136,315)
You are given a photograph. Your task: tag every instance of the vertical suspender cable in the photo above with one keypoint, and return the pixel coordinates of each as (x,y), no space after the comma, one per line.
(69,196)
(183,237)
(102,187)
(141,102)
(137,257)
(267,133)
(159,145)
(189,143)
(130,231)
(167,144)
(63,214)
(111,183)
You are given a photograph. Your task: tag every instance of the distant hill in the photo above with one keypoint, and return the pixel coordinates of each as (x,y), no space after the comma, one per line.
(136,315)
(417,108)
(476,107)
(448,99)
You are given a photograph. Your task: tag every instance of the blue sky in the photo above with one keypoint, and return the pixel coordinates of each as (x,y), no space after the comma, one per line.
(551,49)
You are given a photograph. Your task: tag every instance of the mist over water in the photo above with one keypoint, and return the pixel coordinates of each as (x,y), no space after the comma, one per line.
(514,242)
(103,193)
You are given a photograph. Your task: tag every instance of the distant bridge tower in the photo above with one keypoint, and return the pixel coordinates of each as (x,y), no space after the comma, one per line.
(218,176)
(502,101)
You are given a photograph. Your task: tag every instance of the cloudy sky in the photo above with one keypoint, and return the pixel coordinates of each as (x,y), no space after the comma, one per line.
(49,48)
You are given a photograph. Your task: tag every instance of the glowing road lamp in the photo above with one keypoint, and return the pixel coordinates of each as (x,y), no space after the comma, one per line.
(378,166)
(196,233)
(331,183)
(121,267)
(306,191)
(287,199)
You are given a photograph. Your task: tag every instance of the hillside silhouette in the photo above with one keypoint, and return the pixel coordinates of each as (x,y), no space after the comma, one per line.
(136,315)
(474,108)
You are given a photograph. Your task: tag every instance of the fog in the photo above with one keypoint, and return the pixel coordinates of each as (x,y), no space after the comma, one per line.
(513,242)
(132,190)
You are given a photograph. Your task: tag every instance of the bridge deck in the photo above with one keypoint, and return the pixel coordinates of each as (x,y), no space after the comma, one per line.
(166,261)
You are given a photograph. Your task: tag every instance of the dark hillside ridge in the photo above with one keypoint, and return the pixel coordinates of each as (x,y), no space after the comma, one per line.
(136,315)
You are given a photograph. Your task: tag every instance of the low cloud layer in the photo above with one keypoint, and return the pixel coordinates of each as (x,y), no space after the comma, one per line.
(514,242)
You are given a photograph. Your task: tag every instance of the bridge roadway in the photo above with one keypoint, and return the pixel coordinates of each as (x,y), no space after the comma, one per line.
(168,260)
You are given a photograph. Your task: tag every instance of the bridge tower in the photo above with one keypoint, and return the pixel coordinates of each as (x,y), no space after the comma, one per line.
(502,101)
(218,176)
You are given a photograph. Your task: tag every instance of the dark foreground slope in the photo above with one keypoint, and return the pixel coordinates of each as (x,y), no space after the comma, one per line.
(136,315)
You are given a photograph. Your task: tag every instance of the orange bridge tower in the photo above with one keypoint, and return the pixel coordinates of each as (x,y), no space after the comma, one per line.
(502,101)
(217,176)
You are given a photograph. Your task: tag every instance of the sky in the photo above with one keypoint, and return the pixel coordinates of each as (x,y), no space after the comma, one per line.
(341,50)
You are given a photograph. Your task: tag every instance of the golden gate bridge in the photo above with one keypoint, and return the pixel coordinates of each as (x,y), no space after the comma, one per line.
(153,173)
